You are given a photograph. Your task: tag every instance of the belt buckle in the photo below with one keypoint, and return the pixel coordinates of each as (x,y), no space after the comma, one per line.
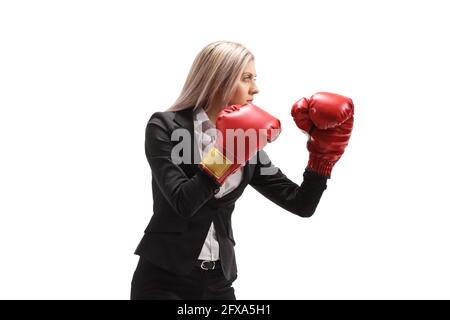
(206,268)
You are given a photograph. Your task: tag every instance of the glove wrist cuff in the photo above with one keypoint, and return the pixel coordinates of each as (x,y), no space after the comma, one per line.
(320,166)
(217,165)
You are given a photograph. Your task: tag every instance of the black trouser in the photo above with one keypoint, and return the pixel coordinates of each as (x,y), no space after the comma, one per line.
(152,282)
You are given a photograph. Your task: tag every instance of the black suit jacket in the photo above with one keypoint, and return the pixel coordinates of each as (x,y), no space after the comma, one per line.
(184,204)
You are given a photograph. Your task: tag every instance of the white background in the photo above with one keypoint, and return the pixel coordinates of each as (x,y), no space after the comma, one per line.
(79,80)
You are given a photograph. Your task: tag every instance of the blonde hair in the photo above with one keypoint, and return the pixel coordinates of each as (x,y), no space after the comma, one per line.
(213,76)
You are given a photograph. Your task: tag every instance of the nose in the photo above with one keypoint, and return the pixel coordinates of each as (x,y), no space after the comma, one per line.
(254,89)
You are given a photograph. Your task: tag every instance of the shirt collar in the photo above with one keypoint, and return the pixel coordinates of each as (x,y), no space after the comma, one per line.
(200,116)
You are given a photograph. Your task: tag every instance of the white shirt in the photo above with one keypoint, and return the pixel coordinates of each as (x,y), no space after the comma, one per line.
(210,249)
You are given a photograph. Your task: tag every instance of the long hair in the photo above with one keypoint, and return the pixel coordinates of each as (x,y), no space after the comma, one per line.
(213,76)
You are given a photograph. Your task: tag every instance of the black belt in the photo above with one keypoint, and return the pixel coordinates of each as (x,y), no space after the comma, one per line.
(208,265)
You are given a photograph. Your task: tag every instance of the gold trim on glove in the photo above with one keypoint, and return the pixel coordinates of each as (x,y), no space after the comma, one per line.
(216,163)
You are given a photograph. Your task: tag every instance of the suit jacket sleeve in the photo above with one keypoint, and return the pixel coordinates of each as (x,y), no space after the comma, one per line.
(186,195)
(273,184)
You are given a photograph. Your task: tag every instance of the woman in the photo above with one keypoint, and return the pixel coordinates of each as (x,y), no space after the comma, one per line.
(187,251)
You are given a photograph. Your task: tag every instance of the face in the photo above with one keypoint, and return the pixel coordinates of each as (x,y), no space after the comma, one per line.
(246,87)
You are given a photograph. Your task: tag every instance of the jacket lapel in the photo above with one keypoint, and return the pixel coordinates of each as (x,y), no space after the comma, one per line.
(184,119)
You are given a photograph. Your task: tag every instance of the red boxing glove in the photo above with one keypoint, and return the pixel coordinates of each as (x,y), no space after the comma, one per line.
(328,120)
(242,130)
